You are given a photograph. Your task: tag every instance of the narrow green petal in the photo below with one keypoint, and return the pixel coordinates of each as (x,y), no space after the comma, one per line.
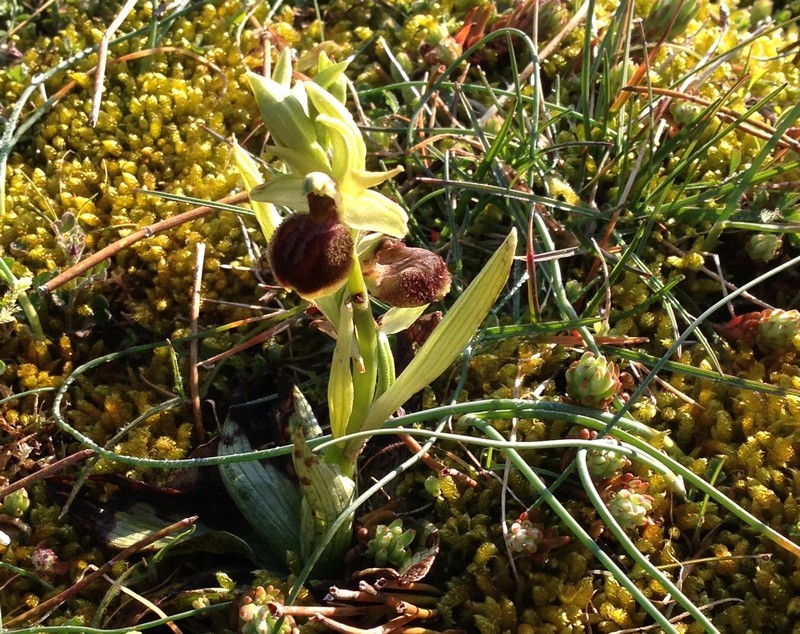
(326,104)
(340,383)
(283,113)
(312,159)
(328,305)
(449,338)
(346,146)
(284,190)
(266,214)
(371,211)
(367,180)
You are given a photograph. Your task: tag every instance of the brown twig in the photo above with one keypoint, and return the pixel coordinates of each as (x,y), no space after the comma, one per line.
(28,20)
(278,610)
(93,260)
(46,472)
(385,628)
(756,128)
(435,465)
(253,341)
(78,586)
(145,602)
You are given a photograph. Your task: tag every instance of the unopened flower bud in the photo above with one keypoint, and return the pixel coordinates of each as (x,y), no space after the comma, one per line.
(764,247)
(524,537)
(312,254)
(406,276)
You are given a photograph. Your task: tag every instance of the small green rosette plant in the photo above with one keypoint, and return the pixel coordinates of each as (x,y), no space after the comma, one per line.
(338,245)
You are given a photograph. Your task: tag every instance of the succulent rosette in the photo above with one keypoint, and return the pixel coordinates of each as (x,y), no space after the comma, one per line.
(630,508)
(778,329)
(390,544)
(593,381)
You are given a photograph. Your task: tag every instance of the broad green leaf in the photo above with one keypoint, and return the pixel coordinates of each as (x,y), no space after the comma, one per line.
(449,338)
(303,416)
(267,498)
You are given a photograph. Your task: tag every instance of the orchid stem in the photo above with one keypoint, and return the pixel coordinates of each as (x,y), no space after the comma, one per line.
(365,372)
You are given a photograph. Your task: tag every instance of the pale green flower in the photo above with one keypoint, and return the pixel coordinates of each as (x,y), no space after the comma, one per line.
(314,133)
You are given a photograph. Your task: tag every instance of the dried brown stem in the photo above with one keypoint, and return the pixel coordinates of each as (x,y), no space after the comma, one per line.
(102,58)
(307,611)
(46,472)
(391,626)
(78,586)
(756,128)
(112,249)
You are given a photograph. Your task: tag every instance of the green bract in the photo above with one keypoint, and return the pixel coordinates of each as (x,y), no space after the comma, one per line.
(314,133)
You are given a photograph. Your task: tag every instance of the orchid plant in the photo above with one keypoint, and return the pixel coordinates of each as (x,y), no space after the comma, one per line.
(337,246)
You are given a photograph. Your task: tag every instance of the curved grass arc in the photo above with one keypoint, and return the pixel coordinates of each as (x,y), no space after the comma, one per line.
(499,408)
(147,625)
(626,542)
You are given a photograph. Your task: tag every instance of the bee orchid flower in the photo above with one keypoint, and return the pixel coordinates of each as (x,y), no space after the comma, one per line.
(314,133)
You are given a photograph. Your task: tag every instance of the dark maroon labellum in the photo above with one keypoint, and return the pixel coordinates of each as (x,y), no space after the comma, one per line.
(312,253)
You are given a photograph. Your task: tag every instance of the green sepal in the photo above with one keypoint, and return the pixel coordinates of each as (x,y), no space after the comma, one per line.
(266,214)
(397,319)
